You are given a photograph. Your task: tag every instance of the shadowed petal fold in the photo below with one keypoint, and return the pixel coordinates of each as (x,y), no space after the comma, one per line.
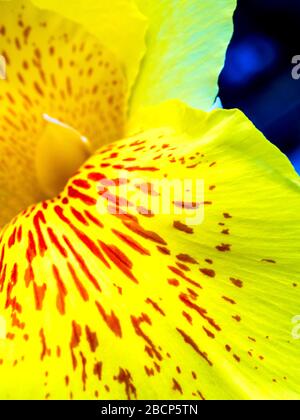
(74,71)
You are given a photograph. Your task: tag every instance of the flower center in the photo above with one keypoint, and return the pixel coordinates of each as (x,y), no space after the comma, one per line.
(61,150)
(63,97)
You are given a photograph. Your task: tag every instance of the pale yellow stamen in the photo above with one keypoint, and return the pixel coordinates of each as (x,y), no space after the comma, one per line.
(61,150)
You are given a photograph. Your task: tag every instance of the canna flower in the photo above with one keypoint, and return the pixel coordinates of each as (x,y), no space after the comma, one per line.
(127,302)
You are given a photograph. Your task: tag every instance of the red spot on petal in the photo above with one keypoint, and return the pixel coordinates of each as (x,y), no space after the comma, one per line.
(111,320)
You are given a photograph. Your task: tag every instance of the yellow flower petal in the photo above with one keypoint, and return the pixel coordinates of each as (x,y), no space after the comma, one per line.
(143,305)
(186,46)
(54,67)
(117,24)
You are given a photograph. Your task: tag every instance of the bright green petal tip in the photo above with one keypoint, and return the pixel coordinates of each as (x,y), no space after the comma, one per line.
(186,46)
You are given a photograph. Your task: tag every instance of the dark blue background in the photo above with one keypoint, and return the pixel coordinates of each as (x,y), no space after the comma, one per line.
(257,75)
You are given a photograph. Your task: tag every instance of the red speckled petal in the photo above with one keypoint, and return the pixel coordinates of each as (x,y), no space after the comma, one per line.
(135,304)
(53,67)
